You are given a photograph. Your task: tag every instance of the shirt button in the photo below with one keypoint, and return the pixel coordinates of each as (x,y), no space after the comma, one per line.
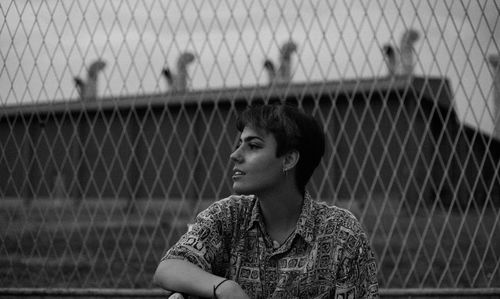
(276,245)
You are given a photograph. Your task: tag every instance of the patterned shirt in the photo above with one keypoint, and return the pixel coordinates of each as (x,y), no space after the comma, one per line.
(328,255)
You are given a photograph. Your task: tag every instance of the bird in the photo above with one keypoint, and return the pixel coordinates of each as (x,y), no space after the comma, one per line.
(284,72)
(88,89)
(80,85)
(407,50)
(494,60)
(391,59)
(178,81)
(271,70)
(401,60)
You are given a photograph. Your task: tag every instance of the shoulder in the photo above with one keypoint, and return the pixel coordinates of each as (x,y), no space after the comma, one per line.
(328,211)
(333,218)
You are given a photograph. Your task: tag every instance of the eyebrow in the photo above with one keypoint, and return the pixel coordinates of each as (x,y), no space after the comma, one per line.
(250,138)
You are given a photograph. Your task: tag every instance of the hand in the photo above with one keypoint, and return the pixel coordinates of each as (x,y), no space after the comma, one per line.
(230,289)
(176,296)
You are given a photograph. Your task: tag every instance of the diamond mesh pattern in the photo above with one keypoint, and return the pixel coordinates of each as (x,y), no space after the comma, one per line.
(101,173)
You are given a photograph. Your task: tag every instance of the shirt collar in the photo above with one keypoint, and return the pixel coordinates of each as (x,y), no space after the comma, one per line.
(255,217)
(305,224)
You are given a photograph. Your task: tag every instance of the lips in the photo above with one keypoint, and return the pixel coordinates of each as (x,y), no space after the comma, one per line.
(237,173)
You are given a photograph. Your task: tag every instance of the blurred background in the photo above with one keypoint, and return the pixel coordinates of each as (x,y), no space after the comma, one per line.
(117,120)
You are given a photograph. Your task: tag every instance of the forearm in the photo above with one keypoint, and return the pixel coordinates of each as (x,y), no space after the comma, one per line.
(183,276)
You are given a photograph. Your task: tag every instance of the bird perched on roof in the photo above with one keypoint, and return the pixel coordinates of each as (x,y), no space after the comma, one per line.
(88,89)
(283,74)
(401,61)
(391,58)
(494,60)
(178,81)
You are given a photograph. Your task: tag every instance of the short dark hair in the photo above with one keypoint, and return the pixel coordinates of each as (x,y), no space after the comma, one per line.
(293,130)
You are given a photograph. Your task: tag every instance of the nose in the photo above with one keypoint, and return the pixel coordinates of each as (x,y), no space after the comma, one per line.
(236,155)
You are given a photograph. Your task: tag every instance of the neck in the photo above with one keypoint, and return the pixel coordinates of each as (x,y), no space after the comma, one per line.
(281,209)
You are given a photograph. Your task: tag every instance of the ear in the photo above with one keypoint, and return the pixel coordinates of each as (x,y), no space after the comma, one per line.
(290,159)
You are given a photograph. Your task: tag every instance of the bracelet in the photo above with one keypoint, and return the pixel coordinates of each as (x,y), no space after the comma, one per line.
(218,285)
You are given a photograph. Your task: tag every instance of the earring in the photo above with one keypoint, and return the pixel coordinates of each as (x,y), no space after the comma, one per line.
(285,171)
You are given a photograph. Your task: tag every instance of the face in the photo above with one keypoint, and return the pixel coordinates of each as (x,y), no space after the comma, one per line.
(256,168)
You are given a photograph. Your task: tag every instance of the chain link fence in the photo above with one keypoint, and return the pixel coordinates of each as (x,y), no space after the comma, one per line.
(116,125)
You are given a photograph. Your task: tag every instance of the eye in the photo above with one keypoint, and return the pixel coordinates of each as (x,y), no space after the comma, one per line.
(254,146)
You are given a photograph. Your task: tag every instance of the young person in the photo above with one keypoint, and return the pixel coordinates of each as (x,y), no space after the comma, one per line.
(271,239)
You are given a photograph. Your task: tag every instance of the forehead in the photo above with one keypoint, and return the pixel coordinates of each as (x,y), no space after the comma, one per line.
(249,132)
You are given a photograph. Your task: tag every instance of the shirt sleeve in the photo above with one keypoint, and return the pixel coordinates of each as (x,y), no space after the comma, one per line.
(202,244)
(357,272)
(366,282)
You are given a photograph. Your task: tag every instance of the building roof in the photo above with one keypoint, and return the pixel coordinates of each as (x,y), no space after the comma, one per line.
(436,89)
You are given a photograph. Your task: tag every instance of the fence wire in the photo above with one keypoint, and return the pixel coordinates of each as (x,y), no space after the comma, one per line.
(117,117)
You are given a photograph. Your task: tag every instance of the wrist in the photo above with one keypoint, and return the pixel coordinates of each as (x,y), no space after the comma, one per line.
(222,286)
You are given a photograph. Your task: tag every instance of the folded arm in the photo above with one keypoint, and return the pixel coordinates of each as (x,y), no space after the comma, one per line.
(184,277)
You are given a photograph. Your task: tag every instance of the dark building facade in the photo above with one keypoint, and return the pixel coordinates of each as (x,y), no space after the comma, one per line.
(397,136)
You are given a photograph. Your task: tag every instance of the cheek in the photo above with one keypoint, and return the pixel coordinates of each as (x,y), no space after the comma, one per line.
(269,169)
(268,163)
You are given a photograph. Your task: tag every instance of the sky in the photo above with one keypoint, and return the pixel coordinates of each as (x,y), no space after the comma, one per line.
(44,44)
